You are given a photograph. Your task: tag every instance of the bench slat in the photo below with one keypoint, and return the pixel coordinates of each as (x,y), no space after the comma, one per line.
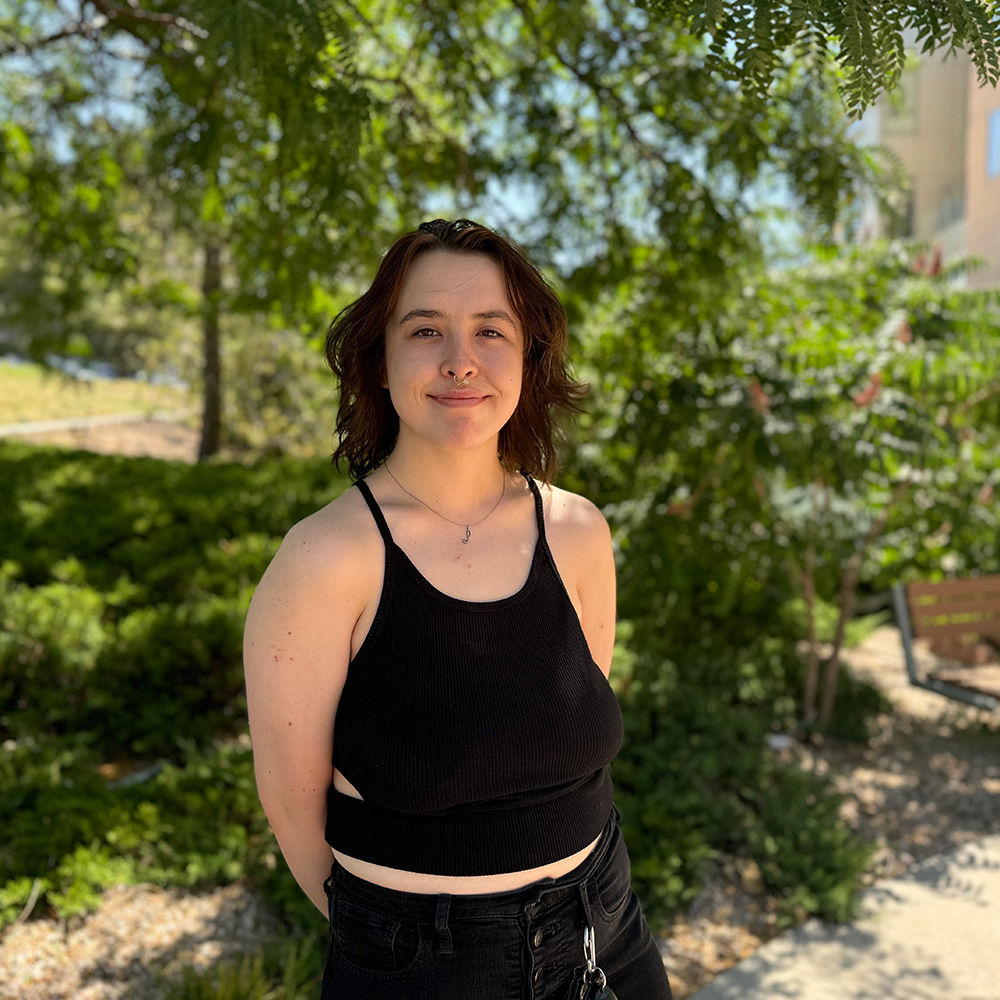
(957,624)
(949,588)
(960,603)
(957,605)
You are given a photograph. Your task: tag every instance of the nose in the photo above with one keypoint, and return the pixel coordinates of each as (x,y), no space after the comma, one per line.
(459,363)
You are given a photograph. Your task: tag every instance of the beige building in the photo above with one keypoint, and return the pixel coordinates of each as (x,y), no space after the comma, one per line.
(945,129)
(982,183)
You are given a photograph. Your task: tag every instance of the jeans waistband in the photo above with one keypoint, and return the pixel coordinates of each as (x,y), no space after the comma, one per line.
(497,905)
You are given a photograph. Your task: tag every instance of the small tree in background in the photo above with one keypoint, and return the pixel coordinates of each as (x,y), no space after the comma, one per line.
(243,136)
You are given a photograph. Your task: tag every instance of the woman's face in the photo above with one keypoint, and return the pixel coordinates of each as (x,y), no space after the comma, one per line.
(453,322)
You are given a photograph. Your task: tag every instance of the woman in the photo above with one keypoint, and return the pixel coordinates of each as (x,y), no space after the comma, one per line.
(427,656)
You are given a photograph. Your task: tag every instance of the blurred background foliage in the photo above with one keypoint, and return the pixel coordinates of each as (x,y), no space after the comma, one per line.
(780,424)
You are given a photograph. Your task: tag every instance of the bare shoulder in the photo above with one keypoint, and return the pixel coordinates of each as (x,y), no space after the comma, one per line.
(321,547)
(575,517)
(580,541)
(331,559)
(578,535)
(338,529)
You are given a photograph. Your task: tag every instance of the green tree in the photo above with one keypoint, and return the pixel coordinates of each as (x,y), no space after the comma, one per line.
(246,138)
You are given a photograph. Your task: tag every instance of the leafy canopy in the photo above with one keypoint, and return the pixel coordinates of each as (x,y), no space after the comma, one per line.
(749,40)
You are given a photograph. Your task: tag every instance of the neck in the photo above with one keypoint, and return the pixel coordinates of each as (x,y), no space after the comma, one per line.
(448,480)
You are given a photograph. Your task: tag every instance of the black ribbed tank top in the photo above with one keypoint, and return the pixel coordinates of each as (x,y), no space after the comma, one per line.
(477,732)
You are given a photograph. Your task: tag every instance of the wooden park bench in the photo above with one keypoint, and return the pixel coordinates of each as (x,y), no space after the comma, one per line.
(960,621)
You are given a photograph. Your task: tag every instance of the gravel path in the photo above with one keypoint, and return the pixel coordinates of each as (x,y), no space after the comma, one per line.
(114,954)
(929,782)
(27,428)
(157,438)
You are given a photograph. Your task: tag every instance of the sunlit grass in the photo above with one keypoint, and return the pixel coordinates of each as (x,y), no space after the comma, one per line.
(30,392)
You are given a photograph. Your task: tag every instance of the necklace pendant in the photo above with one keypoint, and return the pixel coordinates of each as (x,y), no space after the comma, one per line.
(468,535)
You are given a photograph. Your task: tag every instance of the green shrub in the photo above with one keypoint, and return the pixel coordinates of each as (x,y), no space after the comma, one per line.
(806,853)
(282,970)
(15,896)
(239,979)
(695,758)
(125,588)
(173,673)
(50,637)
(194,825)
(175,531)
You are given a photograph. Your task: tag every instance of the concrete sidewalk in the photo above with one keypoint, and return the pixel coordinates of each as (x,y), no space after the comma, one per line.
(932,934)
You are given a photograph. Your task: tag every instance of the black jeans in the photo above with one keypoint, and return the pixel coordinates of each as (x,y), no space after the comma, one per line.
(518,945)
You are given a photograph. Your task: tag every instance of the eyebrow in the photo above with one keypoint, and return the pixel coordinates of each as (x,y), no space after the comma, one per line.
(437,314)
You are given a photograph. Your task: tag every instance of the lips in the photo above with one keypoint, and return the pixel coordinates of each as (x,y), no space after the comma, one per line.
(458,397)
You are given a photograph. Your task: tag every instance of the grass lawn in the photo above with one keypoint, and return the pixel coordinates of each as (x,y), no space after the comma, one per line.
(29,392)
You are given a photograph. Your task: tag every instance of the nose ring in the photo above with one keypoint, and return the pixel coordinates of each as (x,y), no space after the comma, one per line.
(463,383)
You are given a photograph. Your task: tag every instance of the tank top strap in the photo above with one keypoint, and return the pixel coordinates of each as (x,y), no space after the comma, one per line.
(539,514)
(373,506)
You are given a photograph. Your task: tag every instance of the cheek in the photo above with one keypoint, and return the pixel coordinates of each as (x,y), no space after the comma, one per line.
(515,389)
(514,372)
(518,376)
(399,370)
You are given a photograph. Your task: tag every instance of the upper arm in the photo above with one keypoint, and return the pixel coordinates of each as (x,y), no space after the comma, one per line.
(296,649)
(587,565)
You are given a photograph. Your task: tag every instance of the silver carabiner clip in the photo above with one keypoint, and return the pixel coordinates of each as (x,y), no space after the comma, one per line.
(590,983)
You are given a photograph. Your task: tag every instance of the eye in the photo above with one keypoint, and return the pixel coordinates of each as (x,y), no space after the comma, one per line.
(424,333)
(491,334)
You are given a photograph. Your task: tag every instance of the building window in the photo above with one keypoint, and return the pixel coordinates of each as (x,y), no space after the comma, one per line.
(993,145)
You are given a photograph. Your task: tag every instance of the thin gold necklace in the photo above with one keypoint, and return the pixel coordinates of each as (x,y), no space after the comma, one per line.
(460,524)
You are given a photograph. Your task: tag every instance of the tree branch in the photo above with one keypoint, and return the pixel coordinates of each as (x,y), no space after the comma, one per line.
(78,29)
(607,97)
(133,14)
(420,109)
(127,16)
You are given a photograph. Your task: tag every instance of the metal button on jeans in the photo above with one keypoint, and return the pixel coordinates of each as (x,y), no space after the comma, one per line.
(538,938)
(538,974)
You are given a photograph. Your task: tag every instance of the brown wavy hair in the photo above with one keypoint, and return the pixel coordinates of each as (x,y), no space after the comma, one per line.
(367,423)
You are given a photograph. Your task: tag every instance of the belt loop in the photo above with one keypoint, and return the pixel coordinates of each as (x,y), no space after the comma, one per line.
(441,925)
(585,899)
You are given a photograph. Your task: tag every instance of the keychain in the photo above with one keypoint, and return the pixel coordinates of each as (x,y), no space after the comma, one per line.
(589,982)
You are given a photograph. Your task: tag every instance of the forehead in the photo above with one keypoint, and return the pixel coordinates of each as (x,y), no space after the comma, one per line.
(454,279)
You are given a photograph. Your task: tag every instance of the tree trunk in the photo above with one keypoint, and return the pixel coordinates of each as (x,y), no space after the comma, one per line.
(808,582)
(812,671)
(848,586)
(211,411)
(848,589)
